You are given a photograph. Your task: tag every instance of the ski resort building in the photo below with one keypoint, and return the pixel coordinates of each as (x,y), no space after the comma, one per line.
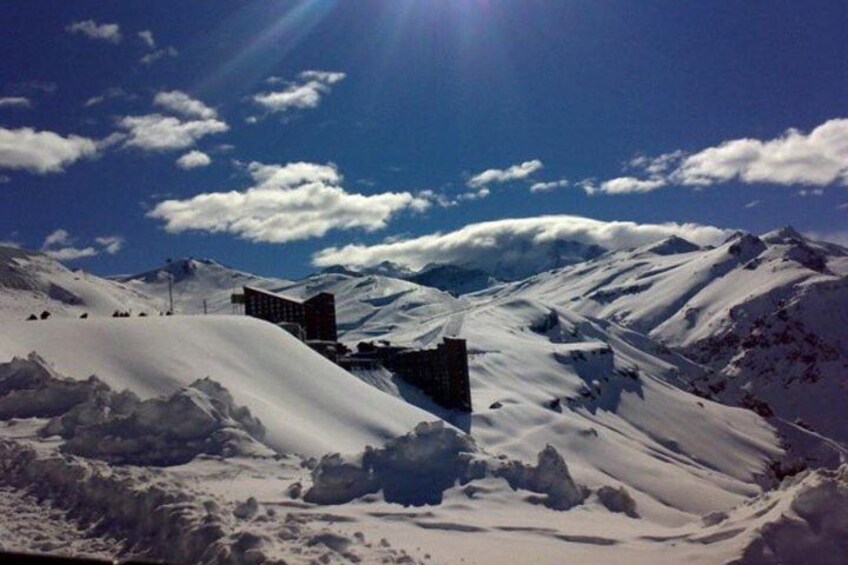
(441,373)
(316,315)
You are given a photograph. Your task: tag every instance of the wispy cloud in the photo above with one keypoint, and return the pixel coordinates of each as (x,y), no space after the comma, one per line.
(42,152)
(486,244)
(61,245)
(304,93)
(181,103)
(500,176)
(93,30)
(147,37)
(286,203)
(628,185)
(108,94)
(550,186)
(111,244)
(15,102)
(158,55)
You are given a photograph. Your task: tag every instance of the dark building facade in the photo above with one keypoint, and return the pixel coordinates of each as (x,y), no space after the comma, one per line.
(441,373)
(317,315)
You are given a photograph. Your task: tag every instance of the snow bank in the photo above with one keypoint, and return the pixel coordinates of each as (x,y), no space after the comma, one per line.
(129,503)
(307,404)
(417,468)
(120,428)
(804,521)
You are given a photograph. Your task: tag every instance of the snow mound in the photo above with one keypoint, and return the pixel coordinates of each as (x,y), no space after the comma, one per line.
(804,521)
(416,469)
(119,428)
(307,404)
(30,388)
(549,476)
(172,430)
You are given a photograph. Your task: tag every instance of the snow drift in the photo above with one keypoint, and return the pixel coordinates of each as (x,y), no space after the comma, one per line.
(307,404)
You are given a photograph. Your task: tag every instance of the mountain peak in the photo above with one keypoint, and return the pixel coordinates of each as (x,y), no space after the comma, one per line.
(786,234)
(672,246)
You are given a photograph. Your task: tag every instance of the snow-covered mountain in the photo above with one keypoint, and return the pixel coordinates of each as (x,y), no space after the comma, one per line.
(489,269)
(31,283)
(369,306)
(454,279)
(599,430)
(769,316)
(194,281)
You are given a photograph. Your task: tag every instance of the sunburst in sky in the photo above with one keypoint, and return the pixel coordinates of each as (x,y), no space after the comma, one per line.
(267,134)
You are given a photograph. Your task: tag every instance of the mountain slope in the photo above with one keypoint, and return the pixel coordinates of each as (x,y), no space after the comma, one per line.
(768,315)
(194,281)
(543,375)
(369,306)
(31,282)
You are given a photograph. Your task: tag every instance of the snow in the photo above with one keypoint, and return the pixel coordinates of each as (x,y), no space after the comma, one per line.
(587,443)
(767,315)
(194,281)
(31,283)
(307,404)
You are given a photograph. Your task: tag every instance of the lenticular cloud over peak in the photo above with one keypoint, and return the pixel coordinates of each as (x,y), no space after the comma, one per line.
(517,246)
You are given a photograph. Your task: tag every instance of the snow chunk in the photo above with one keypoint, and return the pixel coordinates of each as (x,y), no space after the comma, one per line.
(118,427)
(550,476)
(417,468)
(30,388)
(201,418)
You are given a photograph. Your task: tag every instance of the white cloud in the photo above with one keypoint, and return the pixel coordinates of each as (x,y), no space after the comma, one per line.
(181,103)
(307,92)
(42,152)
(111,244)
(15,102)
(515,172)
(628,185)
(817,159)
(60,245)
(108,94)
(193,160)
(153,56)
(93,30)
(148,38)
(286,203)
(58,237)
(549,186)
(155,132)
(489,244)
(752,204)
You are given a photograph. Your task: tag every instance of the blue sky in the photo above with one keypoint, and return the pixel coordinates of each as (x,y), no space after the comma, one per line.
(407,118)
